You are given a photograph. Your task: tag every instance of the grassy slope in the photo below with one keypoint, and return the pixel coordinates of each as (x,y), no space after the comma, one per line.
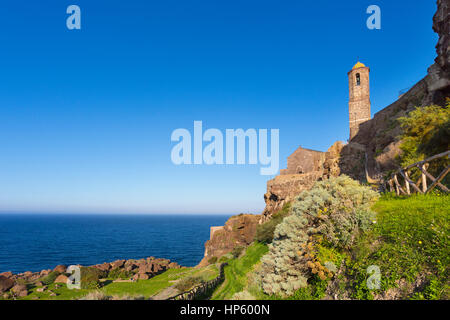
(237,270)
(144,288)
(409,240)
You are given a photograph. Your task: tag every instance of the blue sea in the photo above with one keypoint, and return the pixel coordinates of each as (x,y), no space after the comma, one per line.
(33,242)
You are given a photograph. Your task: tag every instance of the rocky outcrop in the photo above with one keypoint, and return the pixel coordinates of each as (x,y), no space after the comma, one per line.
(60,268)
(6,283)
(238,231)
(19,290)
(61,279)
(283,188)
(440,71)
(15,285)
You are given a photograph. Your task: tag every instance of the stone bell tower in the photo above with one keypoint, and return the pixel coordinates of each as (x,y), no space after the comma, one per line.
(359,102)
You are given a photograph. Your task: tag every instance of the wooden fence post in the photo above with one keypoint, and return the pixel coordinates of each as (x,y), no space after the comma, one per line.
(424,178)
(408,191)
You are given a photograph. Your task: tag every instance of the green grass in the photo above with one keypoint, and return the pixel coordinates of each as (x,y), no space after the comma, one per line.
(409,240)
(63,293)
(144,288)
(236,271)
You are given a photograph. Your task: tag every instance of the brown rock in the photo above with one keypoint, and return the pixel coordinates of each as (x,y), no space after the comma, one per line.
(44,273)
(5,284)
(39,284)
(103,267)
(20,290)
(238,231)
(117,264)
(60,268)
(7,274)
(146,268)
(61,279)
(130,267)
(143,276)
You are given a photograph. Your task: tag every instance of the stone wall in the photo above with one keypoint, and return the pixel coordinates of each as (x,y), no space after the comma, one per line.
(303,161)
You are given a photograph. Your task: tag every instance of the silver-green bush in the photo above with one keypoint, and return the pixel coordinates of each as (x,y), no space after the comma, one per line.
(334,211)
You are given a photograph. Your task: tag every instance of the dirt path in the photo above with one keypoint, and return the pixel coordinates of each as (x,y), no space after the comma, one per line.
(166,293)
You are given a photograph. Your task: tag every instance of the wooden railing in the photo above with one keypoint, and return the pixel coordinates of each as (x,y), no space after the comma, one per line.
(202,290)
(393,183)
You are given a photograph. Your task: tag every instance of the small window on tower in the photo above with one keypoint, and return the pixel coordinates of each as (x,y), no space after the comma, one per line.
(358,79)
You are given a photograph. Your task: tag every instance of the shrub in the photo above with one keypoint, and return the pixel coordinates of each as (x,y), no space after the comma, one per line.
(50,278)
(226,257)
(236,252)
(243,295)
(119,274)
(212,260)
(96,295)
(334,212)
(264,232)
(188,283)
(90,277)
(426,132)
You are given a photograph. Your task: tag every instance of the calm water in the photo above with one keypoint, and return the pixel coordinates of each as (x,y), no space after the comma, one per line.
(33,242)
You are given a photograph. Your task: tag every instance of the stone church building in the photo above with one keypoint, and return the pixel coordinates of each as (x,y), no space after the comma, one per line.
(307,160)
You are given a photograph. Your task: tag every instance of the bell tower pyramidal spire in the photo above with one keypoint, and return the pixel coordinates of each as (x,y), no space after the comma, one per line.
(359,97)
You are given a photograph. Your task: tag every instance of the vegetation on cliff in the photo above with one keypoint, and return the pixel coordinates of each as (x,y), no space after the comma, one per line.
(265,231)
(408,245)
(425,133)
(237,270)
(334,211)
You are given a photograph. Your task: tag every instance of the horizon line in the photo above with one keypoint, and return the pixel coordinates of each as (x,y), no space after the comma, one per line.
(117,213)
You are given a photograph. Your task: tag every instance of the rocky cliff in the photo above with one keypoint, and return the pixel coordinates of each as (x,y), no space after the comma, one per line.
(238,231)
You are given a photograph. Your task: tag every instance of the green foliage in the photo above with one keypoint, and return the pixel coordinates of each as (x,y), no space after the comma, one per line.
(335,211)
(237,270)
(426,132)
(149,287)
(314,291)
(50,278)
(90,277)
(212,260)
(226,257)
(188,283)
(410,240)
(435,290)
(236,252)
(264,232)
(119,273)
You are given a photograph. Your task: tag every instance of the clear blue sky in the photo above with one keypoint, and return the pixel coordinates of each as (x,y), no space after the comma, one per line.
(86,116)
